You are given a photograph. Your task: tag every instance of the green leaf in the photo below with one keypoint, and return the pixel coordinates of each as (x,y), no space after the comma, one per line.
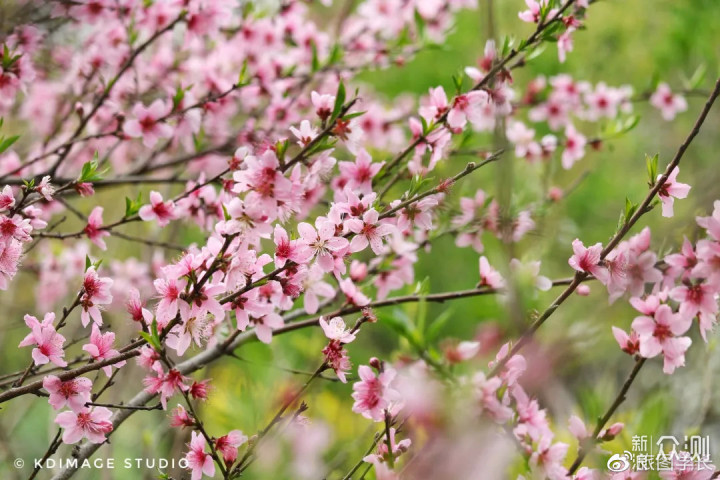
(89,172)
(420,24)
(417,183)
(630,123)
(339,101)
(350,116)
(652,165)
(458,79)
(281,148)
(536,52)
(630,208)
(506,46)
(435,328)
(315,61)
(242,80)
(325,144)
(336,54)
(132,206)
(6,143)
(153,337)
(697,77)
(178,97)
(154,330)
(151,340)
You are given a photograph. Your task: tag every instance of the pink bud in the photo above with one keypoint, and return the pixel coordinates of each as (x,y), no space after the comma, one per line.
(555,194)
(358,271)
(583,290)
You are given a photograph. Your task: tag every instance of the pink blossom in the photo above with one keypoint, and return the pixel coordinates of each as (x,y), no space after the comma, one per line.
(45,189)
(247,305)
(200,390)
(359,174)
(336,357)
(96,292)
(681,263)
(146,123)
(323,104)
(588,259)
(313,287)
(671,190)
(578,428)
(629,344)
(711,223)
(100,348)
(565,44)
(91,423)
(199,461)
(661,334)
(368,231)
(353,294)
(574,146)
(286,249)
(532,14)
(227,445)
(687,466)
(469,107)
(486,393)
(49,343)
(158,210)
(373,395)
(461,352)
(323,243)
(668,103)
(7,199)
(74,393)
(194,327)
(416,214)
(136,308)
(264,326)
(93,228)
(166,384)
(548,458)
(335,329)
(697,299)
(489,277)
(15,228)
(305,134)
(396,448)
(436,105)
(181,418)
(169,290)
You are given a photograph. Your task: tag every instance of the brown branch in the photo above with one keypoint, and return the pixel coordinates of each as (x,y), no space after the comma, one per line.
(639,362)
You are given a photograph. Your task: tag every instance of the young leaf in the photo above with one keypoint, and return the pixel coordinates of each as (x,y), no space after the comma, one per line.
(315,60)
(6,143)
(339,101)
(132,207)
(697,77)
(652,164)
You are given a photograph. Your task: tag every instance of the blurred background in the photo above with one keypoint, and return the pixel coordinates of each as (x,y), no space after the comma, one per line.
(578,367)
